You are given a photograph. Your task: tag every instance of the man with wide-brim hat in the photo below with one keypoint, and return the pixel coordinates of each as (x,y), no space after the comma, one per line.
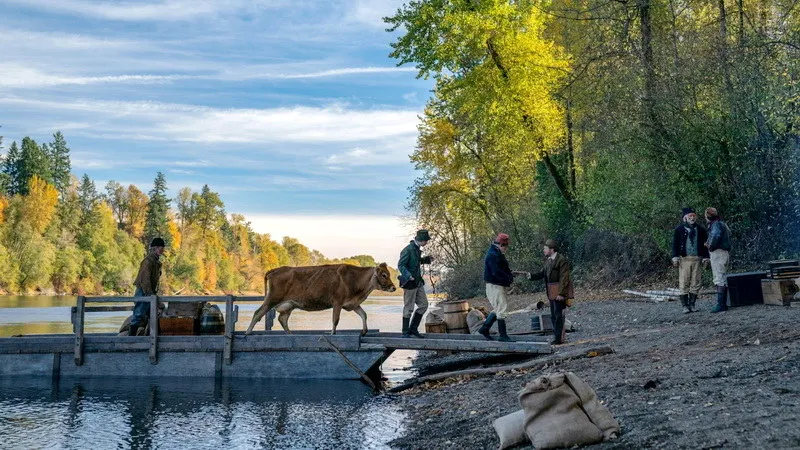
(556,275)
(689,255)
(146,284)
(410,267)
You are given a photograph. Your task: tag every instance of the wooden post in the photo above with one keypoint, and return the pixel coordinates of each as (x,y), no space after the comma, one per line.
(153,329)
(79,331)
(230,323)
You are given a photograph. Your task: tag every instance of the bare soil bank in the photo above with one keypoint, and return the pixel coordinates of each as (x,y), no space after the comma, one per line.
(700,380)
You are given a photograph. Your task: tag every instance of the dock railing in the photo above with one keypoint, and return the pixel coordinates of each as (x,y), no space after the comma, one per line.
(231,317)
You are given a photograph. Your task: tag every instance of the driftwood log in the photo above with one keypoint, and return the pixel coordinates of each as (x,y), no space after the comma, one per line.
(530,365)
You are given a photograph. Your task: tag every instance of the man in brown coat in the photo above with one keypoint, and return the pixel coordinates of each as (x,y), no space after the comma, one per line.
(559,286)
(146,284)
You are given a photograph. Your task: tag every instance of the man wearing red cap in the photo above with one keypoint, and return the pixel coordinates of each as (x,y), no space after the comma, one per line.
(498,278)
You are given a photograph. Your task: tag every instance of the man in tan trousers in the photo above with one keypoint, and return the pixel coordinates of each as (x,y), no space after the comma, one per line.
(689,255)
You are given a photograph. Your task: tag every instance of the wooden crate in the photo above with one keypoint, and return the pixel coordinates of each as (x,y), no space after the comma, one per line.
(778,292)
(176,326)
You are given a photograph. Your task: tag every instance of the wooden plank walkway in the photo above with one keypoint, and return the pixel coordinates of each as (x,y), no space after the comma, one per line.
(459,342)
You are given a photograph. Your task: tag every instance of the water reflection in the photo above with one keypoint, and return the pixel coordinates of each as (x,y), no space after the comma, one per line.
(198,414)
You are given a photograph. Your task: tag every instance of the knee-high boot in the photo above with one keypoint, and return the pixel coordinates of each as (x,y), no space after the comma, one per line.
(487,325)
(722,300)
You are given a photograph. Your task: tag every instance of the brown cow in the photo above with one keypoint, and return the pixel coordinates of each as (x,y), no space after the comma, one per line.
(314,288)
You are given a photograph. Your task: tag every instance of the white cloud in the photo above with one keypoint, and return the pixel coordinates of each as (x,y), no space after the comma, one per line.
(339,236)
(394,152)
(19,76)
(16,76)
(16,38)
(190,123)
(372,12)
(165,10)
(339,72)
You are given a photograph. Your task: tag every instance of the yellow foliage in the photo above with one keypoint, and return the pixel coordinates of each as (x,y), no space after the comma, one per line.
(39,206)
(175,234)
(3,207)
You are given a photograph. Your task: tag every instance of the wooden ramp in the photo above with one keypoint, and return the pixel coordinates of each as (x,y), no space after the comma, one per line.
(460,342)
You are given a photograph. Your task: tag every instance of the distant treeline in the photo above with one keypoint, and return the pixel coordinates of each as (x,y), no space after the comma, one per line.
(62,234)
(594,122)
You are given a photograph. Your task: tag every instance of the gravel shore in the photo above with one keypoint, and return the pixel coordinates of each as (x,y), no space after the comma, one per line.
(699,380)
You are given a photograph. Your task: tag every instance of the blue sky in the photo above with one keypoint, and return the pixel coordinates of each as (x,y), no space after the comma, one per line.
(291,110)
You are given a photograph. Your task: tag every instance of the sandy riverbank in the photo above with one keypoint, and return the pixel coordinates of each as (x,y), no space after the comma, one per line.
(700,380)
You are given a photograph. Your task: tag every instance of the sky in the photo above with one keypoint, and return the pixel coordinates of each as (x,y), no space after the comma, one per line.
(291,110)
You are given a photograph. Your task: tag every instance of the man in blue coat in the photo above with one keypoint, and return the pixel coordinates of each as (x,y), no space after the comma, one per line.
(498,278)
(719,247)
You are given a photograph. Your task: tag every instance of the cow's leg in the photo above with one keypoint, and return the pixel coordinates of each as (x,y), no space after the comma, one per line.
(363,314)
(258,315)
(337,310)
(284,311)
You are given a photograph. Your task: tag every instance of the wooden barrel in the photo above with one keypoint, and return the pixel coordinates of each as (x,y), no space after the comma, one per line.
(435,327)
(455,316)
(212,321)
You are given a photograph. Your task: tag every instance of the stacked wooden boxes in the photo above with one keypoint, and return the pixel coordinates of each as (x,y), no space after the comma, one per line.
(180,319)
(778,292)
(780,288)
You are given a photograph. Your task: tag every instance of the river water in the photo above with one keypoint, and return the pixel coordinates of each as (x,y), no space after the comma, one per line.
(197,413)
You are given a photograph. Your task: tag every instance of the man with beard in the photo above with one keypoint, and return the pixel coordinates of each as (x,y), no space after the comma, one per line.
(689,254)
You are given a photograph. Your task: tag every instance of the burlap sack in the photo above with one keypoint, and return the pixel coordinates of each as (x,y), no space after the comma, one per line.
(598,414)
(511,429)
(475,320)
(554,413)
(435,315)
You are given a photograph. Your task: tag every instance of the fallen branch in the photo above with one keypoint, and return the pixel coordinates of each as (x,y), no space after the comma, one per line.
(534,365)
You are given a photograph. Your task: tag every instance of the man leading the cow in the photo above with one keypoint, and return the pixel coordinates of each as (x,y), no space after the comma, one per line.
(146,284)
(689,254)
(410,267)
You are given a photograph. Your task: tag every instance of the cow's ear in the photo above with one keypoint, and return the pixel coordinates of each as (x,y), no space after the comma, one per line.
(383,264)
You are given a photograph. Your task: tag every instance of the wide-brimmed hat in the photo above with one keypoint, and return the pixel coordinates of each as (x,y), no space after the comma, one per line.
(552,244)
(422,235)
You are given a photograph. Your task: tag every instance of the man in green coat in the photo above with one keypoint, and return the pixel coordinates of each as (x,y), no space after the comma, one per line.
(412,283)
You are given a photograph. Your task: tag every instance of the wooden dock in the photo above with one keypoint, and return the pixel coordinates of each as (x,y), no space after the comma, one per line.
(534,345)
(263,354)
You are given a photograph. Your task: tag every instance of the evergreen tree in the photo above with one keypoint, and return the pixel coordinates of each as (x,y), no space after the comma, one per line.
(157,221)
(5,180)
(59,162)
(87,200)
(10,169)
(32,161)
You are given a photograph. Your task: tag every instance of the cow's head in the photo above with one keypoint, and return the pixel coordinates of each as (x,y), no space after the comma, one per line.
(384,278)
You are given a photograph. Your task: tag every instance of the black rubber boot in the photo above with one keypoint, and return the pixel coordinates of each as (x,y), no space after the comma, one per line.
(685,303)
(406,320)
(722,300)
(412,327)
(692,302)
(501,327)
(487,325)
